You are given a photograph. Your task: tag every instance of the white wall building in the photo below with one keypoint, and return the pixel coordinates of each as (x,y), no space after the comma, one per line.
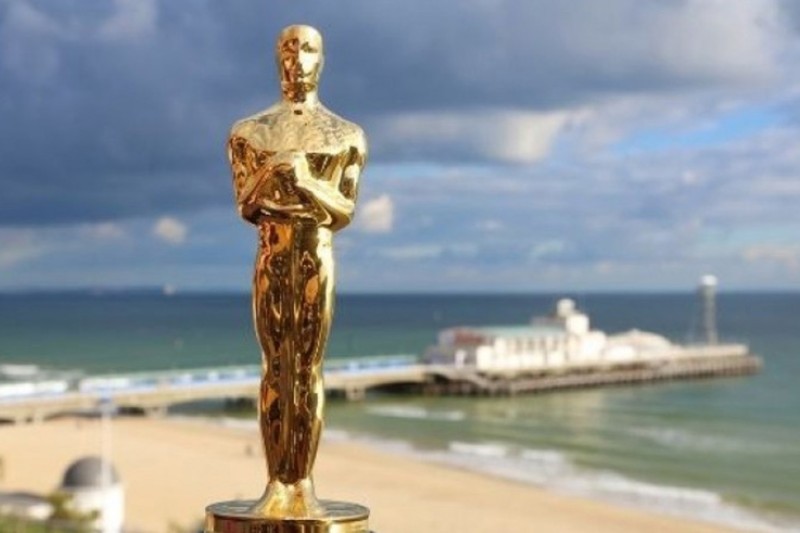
(94,485)
(561,340)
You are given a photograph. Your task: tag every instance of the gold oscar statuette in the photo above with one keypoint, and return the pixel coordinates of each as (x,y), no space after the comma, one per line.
(296,169)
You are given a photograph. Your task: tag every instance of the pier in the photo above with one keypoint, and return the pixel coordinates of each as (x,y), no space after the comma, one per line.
(469,384)
(154,392)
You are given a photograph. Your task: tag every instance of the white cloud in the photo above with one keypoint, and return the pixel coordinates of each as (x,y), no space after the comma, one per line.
(456,251)
(412,252)
(736,41)
(786,255)
(103,231)
(376,215)
(24,245)
(490,225)
(32,39)
(507,135)
(548,248)
(463,249)
(170,230)
(133,19)
(19,246)
(26,36)
(525,137)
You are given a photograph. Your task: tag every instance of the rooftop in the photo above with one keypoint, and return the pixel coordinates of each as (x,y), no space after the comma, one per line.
(87,472)
(526,331)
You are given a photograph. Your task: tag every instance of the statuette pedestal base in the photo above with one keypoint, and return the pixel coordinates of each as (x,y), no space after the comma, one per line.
(236,517)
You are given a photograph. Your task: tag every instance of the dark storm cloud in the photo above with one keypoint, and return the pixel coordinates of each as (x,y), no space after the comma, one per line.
(117,109)
(791,9)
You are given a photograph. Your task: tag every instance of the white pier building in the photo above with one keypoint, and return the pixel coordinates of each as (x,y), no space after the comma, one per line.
(563,340)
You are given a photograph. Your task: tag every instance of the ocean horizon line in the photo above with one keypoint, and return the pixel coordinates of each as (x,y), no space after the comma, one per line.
(177,292)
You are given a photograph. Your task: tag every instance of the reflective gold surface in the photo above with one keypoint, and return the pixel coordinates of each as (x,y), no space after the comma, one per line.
(296,168)
(237,517)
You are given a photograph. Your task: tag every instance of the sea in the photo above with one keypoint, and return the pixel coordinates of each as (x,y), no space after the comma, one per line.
(722,450)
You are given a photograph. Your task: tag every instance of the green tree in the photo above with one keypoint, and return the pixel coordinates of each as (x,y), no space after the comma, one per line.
(13,524)
(64,514)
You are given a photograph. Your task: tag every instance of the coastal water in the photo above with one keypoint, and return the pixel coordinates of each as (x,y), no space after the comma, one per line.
(725,450)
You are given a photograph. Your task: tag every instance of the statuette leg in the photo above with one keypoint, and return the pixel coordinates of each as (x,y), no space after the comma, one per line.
(292,309)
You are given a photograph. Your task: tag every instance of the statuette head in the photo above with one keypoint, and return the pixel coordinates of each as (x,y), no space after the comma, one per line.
(299,54)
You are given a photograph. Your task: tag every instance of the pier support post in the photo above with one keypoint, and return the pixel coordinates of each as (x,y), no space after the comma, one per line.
(156,411)
(355,393)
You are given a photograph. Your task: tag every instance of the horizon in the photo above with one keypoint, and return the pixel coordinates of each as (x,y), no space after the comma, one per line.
(159,291)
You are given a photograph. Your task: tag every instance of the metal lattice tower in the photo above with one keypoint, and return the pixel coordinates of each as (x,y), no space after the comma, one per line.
(707,291)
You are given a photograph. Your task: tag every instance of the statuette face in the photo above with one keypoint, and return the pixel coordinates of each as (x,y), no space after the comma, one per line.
(300,60)
(296,169)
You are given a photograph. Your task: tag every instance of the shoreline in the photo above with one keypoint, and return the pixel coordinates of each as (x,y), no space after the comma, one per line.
(173,467)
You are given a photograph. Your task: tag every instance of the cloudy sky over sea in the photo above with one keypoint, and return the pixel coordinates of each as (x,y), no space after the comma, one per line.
(515,144)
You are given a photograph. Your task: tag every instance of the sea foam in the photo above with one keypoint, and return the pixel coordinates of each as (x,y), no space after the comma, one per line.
(553,470)
(414,412)
(683,439)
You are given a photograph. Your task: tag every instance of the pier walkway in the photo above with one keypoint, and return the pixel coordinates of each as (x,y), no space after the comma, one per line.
(155,392)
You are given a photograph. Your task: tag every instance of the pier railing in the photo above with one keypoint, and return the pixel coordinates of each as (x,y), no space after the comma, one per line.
(154,392)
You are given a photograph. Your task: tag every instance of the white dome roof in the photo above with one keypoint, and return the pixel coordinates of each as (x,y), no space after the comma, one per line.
(87,472)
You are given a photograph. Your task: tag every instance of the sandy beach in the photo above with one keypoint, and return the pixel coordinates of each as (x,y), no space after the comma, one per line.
(173,468)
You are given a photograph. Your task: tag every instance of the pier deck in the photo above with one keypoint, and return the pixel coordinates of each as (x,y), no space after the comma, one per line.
(155,392)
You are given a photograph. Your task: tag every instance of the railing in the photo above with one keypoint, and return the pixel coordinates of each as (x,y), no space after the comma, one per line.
(110,385)
(380,362)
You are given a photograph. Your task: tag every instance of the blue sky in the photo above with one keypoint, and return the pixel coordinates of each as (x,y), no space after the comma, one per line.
(515,145)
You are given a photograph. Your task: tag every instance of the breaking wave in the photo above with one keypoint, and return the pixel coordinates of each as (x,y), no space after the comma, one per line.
(682,439)
(415,413)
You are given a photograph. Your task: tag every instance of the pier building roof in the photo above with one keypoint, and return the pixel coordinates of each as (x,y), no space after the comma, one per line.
(478,335)
(535,330)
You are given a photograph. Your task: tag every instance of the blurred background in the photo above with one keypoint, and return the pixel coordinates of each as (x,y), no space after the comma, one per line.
(514,145)
(613,151)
